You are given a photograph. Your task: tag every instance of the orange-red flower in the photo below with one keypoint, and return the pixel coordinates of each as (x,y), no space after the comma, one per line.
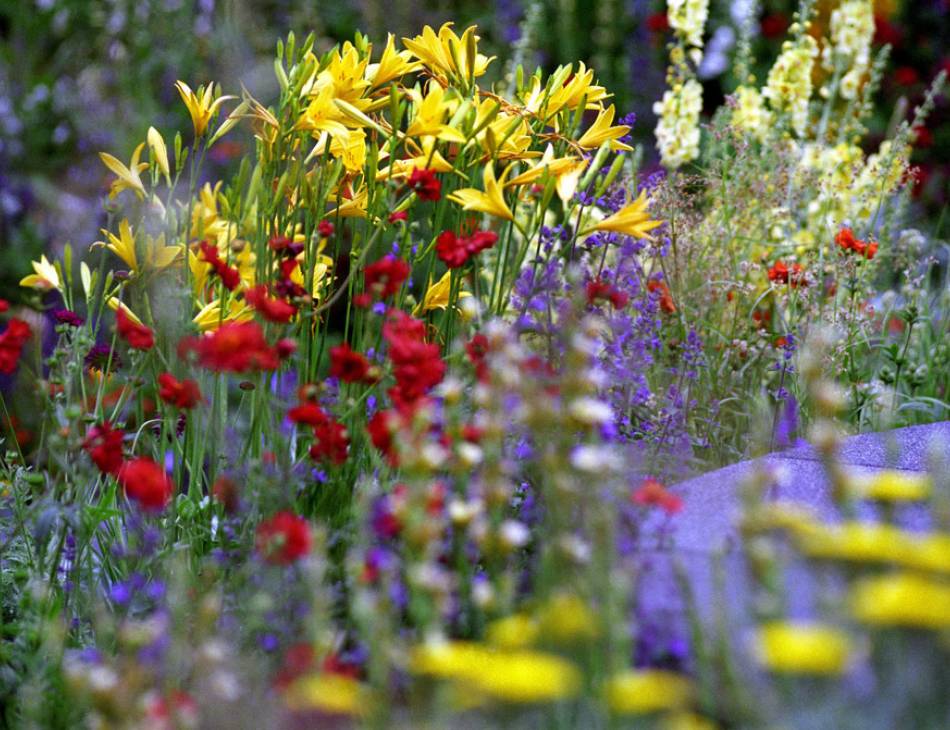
(137,335)
(179,393)
(104,446)
(348,365)
(146,482)
(11,344)
(284,538)
(425,184)
(273,310)
(236,347)
(652,493)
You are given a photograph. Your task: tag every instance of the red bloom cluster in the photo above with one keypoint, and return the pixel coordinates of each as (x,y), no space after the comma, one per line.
(781,273)
(11,344)
(381,428)
(331,442)
(229,275)
(652,493)
(145,482)
(399,215)
(666,298)
(273,310)
(382,279)
(425,184)
(476,349)
(845,238)
(137,335)
(285,246)
(325,228)
(455,251)
(349,366)
(236,347)
(104,446)
(284,538)
(417,365)
(598,289)
(183,394)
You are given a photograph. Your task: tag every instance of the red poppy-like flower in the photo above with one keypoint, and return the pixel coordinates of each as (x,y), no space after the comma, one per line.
(847,241)
(781,273)
(598,289)
(283,538)
(104,446)
(381,428)
(330,442)
(146,482)
(163,713)
(229,275)
(456,251)
(887,33)
(235,347)
(285,246)
(399,215)
(273,310)
(425,184)
(308,414)
(325,228)
(137,335)
(11,344)
(348,365)
(183,394)
(417,365)
(652,493)
(666,298)
(382,279)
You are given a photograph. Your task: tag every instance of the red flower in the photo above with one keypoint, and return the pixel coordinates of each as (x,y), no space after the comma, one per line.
(4,305)
(285,246)
(273,310)
(886,32)
(66,316)
(331,442)
(658,23)
(11,344)
(846,240)
(325,228)
(137,335)
(425,184)
(906,76)
(477,350)
(229,276)
(104,446)
(598,289)
(382,279)
(380,429)
(347,365)
(399,215)
(235,347)
(146,482)
(183,394)
(666,299)
(783,275)
(283,539)
(417,365)
(308,414)
(225,491)
(456,251)
(652,493)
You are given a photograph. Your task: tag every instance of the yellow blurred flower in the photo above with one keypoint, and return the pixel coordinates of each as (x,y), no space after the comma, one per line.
(45,276)
(902,599)
(491,201)
(513,632)
(631,220)
(566,617)
(638,692)
(890,485)
(601,131)
(686,721)
(331,693)
(202,106)
(801,648)
(127,178)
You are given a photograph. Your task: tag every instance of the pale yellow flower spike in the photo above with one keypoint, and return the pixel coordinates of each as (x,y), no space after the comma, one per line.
(201,106)
(491,201)
(46,276)
(631,220)
(159,151)
(601,131)
(127,178)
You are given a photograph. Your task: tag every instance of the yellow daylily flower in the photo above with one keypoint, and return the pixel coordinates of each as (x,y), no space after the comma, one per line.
(210,317)
(566,171)
(392,64)
(352,204)
(491,201)
(505,136)
(320,270)
(802,648)
(631,220)
(437,295)
(127,178)
(446,54)
(156,254)
(601,131)
(345,76)
(430,112)
(202,106)
(322,115)
(159,151)
(46,276)
(571,92)
(351,149)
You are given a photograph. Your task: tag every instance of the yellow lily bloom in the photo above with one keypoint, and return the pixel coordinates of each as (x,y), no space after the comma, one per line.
(631,220)
(159,151)
(802,648)
(601,131)
(491,201)
(127,178)
(430,112)
(392,64)
(46,276)
(448,55)
(210,317)
(345,76)
(566,171)
(437,295)
(351,149)
(201,106)
(569,95)
(320,270)
(322,115)
(353,206)
(156,254)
